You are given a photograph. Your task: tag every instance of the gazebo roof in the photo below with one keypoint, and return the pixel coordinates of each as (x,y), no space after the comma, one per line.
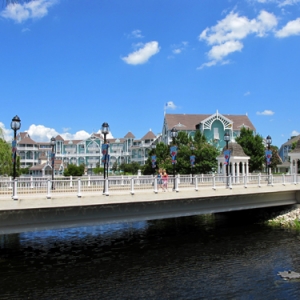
(235,149)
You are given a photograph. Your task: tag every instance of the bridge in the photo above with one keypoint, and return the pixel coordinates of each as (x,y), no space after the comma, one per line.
(30,204)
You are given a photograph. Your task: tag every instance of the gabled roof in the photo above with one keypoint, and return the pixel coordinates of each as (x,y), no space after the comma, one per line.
(189,121)
(59,138)
(148,136)
(27,140)
(129,135)
(291,141)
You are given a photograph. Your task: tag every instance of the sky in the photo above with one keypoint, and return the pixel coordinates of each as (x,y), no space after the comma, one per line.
(67,66)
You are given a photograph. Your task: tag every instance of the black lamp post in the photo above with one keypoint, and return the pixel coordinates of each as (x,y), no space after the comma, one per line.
(226,139)
(174,134)
(269,142)
(105,131)
(52,142)
(15,125)
(192,147)
(153,147)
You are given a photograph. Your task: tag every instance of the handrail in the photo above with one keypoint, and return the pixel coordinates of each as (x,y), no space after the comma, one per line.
(135,184)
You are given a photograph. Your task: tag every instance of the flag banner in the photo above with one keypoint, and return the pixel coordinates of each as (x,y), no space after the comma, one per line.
(14,146)
(227,157)
(105,149)
(105,159)
(173,153)
(268,156)
(153,161)
(192,160)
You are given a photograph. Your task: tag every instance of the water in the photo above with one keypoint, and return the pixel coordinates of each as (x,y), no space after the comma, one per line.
(224,256)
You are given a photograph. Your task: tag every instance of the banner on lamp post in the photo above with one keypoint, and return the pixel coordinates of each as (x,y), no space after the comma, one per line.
(268,156)
(227,157)
(173,153)
(153,161)
(192,160)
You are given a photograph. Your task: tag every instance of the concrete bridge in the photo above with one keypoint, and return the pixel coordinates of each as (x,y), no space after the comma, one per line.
(42,210)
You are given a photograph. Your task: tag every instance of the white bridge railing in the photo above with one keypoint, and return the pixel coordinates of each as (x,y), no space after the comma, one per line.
(134,184)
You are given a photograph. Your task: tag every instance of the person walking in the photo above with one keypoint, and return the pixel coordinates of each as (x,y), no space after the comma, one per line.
(165,178)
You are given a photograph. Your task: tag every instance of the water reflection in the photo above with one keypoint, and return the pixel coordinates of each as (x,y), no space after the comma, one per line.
(224,256)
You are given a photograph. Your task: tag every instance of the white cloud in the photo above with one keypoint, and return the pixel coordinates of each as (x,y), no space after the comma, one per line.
(7,134)
(34,9)
(177,49)
(291,28)
(170,105)
(143,54)
(137,34)
(247,94)
(279,2)
(79,135)
(295,133)
(40,133)
(226,36)
(265,113)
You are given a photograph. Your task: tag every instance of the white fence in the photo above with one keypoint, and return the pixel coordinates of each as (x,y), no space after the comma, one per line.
(128,184)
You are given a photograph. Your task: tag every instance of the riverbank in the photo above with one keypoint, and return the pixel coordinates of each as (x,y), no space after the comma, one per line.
(288,218)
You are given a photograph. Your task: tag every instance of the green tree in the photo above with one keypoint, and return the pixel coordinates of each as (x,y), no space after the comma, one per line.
(252,145)
(205,155)
(131,168)
(5,158)
(275,160)
(74,170)
(98,170)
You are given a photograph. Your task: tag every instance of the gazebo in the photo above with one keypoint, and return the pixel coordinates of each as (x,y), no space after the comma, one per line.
(238,163)
(294,158)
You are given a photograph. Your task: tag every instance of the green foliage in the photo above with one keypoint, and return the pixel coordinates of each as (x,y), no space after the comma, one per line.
(253,147)
(131,168)
(115,166)
(5,158)
(205,155)
(98,170)
(275,160)
(74,170)
(24,170)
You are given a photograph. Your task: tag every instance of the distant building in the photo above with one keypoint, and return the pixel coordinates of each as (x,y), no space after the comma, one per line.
(37,155)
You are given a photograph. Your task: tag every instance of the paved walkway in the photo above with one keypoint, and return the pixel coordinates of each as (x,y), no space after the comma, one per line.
(34,201)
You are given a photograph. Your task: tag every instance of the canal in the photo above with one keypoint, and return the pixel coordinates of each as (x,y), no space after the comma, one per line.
(222,256)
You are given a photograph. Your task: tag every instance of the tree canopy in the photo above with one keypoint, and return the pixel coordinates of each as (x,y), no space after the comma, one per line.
(74,170)
(205,155)
(252,145)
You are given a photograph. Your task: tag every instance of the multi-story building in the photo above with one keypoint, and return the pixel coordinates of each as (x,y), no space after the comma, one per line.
(128,149)
(212,127)
(37,155)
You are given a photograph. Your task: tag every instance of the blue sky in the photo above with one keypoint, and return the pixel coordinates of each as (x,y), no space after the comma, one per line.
(67,66)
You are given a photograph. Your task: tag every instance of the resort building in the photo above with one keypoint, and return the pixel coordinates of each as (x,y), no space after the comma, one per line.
(213,127)
(37,155)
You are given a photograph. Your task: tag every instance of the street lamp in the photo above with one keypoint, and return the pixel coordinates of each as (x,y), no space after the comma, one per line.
(192,148)
(15,125)
(105,131)
(226,139)
(153,158)
(52,142)
(174,133)
(268,156)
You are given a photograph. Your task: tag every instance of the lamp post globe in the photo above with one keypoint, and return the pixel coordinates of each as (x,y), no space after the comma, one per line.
(15,125)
